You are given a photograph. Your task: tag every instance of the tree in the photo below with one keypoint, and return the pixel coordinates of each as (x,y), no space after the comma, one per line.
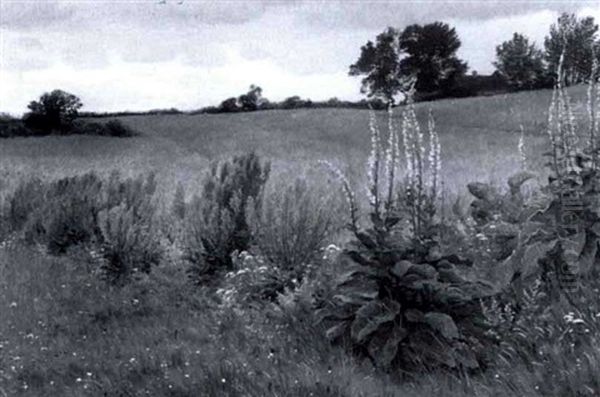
(53,111)
(380,63)
(431,57)
(520,63)
(426,52)
(577,39)
(229,105)
(252,100)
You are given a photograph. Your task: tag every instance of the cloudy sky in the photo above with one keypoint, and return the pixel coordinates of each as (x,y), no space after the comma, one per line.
(139,54)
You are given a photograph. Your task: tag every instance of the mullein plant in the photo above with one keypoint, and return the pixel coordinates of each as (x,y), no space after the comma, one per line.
(400,301)
(559,242)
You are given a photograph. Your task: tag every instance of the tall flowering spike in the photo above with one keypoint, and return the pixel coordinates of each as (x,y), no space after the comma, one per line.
(374,162)
(407,141)
(348,192)
(435,161)
(592,97)
(521,147)
(391,158)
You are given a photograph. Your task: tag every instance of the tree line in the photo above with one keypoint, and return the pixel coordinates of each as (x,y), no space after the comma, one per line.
(424,58)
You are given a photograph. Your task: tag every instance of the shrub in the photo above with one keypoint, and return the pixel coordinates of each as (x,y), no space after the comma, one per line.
(54,111)
(116,215)
(112,128)
(292,224)
(216,224)
(401,300)
(27,197)
(116,128)
(11,127)
(58,214)
(130,240)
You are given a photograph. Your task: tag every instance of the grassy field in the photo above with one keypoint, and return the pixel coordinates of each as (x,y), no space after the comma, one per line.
(65,332)
(479,138)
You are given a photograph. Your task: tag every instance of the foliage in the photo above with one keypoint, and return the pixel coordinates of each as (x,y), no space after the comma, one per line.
(11,127)
(179,205)
(129,240)
(54,111)
(116,128)
(576,39)
(252,281)
(229,105)
(520,62)
(380,63)
(558,242)
(426,53)
(431,57)
(401,301)
(252,100)
(114,216)
(216,225)
(292,224)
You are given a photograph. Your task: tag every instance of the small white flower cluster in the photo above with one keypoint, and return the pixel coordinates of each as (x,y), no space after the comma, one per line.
(331,253)
(248,271)
(570,318)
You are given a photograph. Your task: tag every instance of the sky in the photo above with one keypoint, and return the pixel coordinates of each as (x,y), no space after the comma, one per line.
(151,54)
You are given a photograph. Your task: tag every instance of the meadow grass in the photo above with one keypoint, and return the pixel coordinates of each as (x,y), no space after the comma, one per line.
(479,137)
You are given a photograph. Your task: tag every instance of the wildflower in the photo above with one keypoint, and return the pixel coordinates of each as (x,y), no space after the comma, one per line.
(223,380)
(13,304)
(89,374)
(78,380)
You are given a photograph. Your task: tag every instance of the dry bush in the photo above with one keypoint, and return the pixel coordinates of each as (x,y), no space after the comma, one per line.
(216,223)
(293,223)
(130,240)
(115,216)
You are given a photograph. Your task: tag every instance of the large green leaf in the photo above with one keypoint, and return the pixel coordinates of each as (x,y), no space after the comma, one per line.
(424,270)
(383,347)
(443,324)
(336,331)
(371,316)
(532,255)
(401,268)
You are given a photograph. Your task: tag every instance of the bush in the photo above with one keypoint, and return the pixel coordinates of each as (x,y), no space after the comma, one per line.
(292,224)
(58,214)
(116,128)
(216,224)
(116,216)
(11,127)
(130,240)
(112,128)
(54,111)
